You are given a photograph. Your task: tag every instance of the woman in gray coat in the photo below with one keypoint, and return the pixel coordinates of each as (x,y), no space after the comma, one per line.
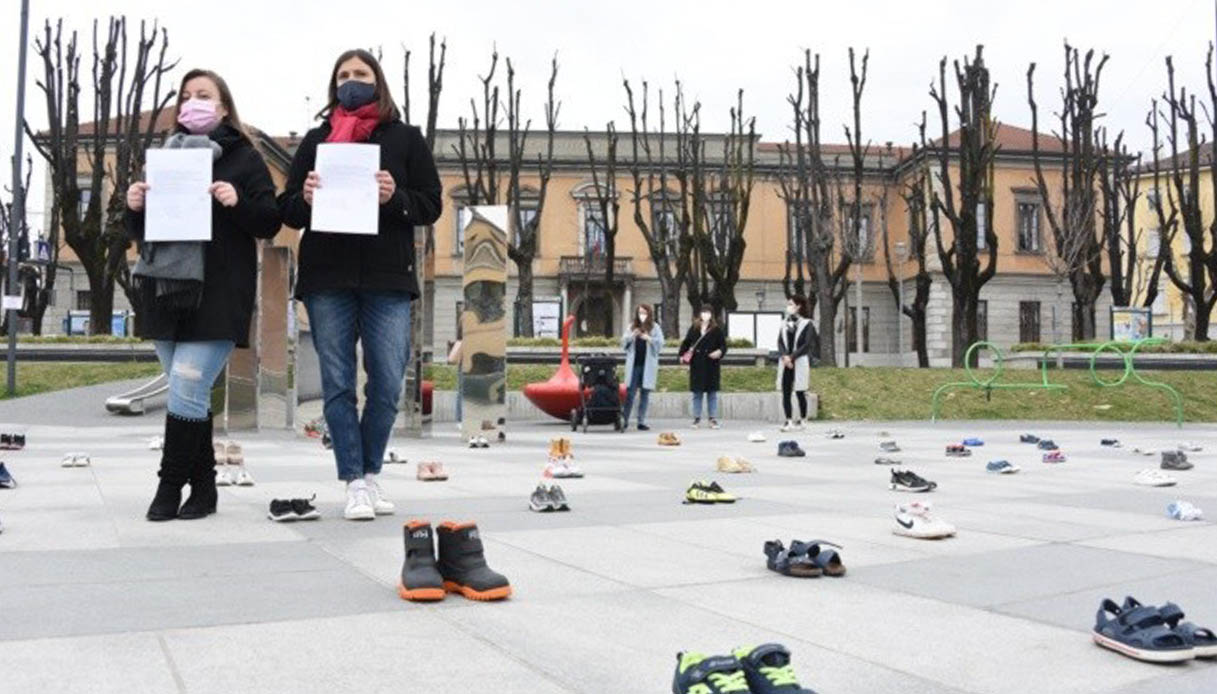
(642,344)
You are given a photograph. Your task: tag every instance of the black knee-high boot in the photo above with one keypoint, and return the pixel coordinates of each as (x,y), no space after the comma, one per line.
(202,474)
(175,467)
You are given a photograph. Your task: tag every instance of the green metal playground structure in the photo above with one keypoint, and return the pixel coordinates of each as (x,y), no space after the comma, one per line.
(1126,350)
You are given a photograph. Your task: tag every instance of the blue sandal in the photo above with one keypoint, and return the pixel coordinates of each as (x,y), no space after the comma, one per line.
(1202,639)
(1140,633)
(827,559)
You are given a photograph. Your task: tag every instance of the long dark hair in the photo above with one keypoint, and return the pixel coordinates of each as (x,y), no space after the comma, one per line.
(801,301)
(649,325)
(232,119)
(697,321)
(384,97)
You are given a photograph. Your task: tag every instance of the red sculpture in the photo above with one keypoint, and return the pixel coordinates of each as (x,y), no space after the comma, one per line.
(560,394)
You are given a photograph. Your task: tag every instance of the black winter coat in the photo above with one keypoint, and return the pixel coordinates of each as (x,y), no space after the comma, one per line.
(704,372)
(384,262)
(230,269)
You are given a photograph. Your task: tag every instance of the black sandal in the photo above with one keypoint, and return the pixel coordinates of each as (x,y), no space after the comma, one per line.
(789,563)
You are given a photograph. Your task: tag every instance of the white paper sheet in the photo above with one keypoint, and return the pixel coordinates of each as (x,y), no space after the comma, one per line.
(178,206)
(348,201)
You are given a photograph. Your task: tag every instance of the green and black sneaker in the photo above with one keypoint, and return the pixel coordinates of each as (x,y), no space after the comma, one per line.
(768,670)
(698,674)
(699,493)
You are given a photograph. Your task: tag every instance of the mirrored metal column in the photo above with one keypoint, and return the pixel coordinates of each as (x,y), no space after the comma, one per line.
(276,340)
(415,402)
(484,324)
(241,397)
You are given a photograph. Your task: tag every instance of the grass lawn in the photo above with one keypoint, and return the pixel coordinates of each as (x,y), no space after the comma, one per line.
(43,377)
(904,394)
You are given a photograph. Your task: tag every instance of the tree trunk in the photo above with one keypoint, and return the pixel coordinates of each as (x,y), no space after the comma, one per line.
(828,319)
(963,315)
(670,323)
(919,343)
(101,305)
(524,277)
(1201,330)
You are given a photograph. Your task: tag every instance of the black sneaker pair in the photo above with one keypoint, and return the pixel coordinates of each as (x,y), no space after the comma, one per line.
(790,449)
(764,669)
(287,510)
(909,481)
(545,499)
(12,442)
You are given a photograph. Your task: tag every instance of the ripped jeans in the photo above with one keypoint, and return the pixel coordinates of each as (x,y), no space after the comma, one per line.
(192,368)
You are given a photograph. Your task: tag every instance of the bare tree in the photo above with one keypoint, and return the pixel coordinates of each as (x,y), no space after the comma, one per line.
(484,181)
(804,180)
(35,275)
(1119,185)
(1078,240)
(661,214)
(608,202)
(916,195)
(122,82)
(974,154)
(1190,155)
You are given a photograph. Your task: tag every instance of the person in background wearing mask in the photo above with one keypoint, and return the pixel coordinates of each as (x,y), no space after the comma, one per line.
(702,349)
(195,299)
(794,358)
(642,344)
(358,288)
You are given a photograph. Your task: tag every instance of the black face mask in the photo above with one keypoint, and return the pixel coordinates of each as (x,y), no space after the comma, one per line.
(353,94)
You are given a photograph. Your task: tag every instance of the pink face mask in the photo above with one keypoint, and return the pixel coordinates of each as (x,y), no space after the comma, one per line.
(198,116)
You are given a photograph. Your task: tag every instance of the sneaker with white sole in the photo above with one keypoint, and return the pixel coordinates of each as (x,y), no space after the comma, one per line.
(224,477)
(381,505)
(915,520)
(714,423)
(359,502)
(788,426)
(1184,511)
(756,437)
(1150,477)
(243,478)
(909,481)
(1002,467)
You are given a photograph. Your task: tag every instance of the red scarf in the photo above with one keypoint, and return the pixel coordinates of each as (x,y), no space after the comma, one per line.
(353,126)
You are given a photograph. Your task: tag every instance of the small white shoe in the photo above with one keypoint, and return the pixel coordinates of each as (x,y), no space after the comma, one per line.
(788,426)
(914,520)
(156,443)
(380,505)
(1190,446)
(1144,450)
(359,502)
(224,477)
(69,460)
(243,478)
(756,437)
(1151,477)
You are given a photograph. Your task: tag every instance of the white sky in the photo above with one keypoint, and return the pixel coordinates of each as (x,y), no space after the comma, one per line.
(277,53)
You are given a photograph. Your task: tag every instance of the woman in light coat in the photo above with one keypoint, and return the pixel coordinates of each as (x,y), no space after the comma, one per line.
(794,359)
(642,343)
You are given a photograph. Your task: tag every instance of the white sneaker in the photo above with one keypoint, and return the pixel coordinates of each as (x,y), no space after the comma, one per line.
(800,425)
(914,520)
(243,478)
(1190,446)
(714,423)
(556,468)
(571,469)
(381,505)
(788,426)
(224,478)
(359,502)
(1151,477)
(756,437)
(696,424)
(156,443)
(1145,450)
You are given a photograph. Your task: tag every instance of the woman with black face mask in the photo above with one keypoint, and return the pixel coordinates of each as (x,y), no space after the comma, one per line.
(358,288)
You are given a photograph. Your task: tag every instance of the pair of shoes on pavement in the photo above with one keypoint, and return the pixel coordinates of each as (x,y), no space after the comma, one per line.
(448,559)
(561,468)
(757,437)
(703,492)
(394,457)
(973,442)
(1028,438)
(957,450)
(1002,467)
(230,465)
(1175,460)
(915,520)
(548,497)
(290,510)
(804,559)
(76,460)
(12,442)
(790,449)
(366,500)
(1184,511)
(1110,443)
(884,460)
(1190,446)
(1149,477)
(762,669)
(734,465)
(6,478)
(1151,634)
(431,471)
(1046,445)
(889,446)
(834,434)
(697,423)
(156,443)
(1054,456)
(478,442)
(792,425)
(909,481)
(668,438)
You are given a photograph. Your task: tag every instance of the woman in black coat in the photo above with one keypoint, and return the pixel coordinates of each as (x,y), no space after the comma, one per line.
(703,349)
(358,288)
(196,322)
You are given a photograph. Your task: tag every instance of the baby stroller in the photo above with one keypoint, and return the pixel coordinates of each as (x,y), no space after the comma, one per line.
(599,393)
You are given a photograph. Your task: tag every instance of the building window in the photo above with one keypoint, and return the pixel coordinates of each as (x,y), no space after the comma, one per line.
(462,218)
(982,320)
(1028,321)
(83,297)
(981,219)
(1153,243)
(851,332)
(591,241)
(1028,226)
(862,247)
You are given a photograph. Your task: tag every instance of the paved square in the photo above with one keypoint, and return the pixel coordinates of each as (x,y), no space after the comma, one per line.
(95,599)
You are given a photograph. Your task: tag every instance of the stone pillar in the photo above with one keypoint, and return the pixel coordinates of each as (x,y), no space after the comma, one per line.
(484,324)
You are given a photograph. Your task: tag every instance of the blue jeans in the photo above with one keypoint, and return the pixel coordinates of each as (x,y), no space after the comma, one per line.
(381,322)
(192,368)
(635,386)
(711,403)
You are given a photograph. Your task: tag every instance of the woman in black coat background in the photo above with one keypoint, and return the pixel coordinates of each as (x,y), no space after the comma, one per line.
(703,349)
(196,323)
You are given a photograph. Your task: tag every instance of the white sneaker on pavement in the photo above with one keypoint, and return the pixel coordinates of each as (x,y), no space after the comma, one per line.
(359,502)
(381,505)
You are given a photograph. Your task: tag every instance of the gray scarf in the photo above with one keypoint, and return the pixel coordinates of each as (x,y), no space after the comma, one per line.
(169,274)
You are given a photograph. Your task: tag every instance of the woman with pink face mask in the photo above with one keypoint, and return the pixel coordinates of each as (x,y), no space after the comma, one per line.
(196,298)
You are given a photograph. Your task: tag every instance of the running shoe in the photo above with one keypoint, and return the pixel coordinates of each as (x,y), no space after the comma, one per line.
(1054,457)
(756,437)
(1028,438)
(909,481)
(1175,460)
(698,674)
(768,670)
(6,479)
(915,520)
(1150,477)
(1184,511)
(540,501)
(1004,467)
